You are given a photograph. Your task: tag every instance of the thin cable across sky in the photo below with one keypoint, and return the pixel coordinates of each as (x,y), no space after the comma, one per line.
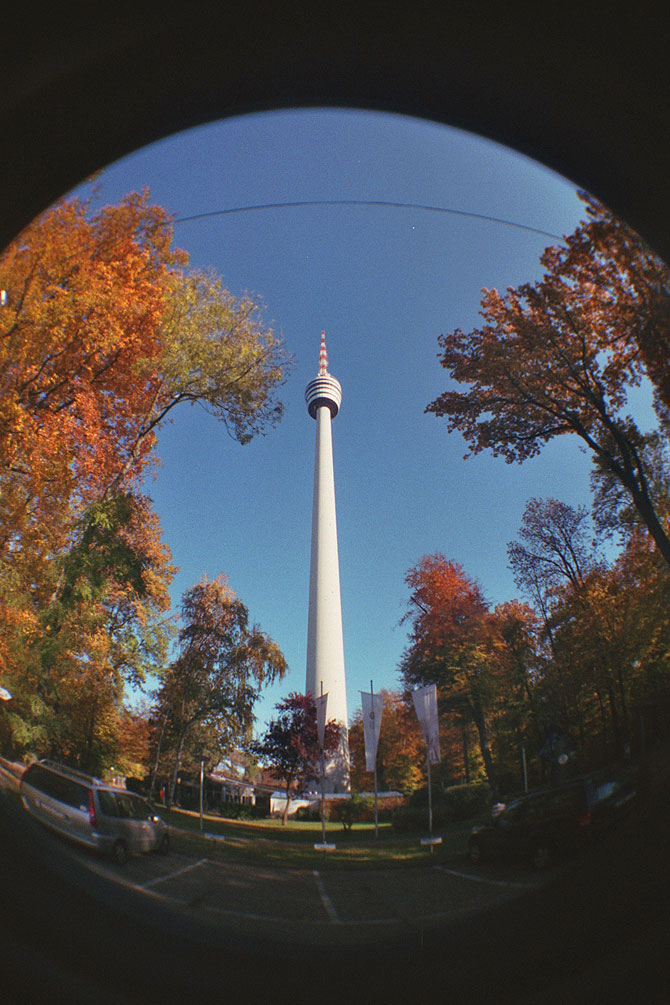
(367,202)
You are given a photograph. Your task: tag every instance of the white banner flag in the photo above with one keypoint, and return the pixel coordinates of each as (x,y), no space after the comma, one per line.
(425,703)
(321,701)
(372,722)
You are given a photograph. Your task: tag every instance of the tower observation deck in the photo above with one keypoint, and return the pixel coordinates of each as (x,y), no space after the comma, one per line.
(325,649)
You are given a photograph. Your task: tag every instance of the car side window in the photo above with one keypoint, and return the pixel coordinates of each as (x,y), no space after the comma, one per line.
(125,806)
(108,803)
(74,794)
(41,779)
(605,790)
(567,801)
(514,814)
(140,809)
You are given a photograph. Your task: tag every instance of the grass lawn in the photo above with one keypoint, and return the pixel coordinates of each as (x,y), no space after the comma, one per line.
(267,842)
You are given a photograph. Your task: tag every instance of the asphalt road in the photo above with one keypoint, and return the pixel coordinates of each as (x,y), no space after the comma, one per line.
(75,928)
(315,907)
(306,907)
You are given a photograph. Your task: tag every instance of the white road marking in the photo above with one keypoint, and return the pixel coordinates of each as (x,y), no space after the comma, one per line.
(148,889)
(485,879)
(325,899)
(172,875)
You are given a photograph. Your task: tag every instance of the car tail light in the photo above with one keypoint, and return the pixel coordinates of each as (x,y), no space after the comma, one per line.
(584,820)
(91,809)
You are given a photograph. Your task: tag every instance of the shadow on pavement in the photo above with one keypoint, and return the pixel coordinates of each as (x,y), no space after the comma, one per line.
(598,929)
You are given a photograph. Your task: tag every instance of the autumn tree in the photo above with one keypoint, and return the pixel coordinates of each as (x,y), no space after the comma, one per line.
(132,742)
(553,547)
(597,620)
(615,629)
(644,632)
(451,645)
(400,751)
(85,299)
(216,352)
(103,332)
(105,626)
(560,355)
(221,666)
(290,744)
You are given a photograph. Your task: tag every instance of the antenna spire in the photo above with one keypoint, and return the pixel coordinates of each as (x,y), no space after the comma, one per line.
(323,356)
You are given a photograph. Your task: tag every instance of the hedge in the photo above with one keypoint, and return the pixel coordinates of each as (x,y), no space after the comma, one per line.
(451,805)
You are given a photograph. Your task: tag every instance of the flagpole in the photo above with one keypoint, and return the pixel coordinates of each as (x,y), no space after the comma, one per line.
(323,796)
(425,703)
(372,697)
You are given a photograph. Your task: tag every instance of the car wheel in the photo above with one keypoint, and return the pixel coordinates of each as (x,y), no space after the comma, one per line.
(475,852)
(164,846)
(120,853)
(541,856)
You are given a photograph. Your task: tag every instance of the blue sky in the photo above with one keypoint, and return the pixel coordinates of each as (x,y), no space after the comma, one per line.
(383,283)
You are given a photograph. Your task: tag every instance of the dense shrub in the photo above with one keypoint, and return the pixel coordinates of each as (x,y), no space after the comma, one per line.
(452,805)
(311,812)
(241,811)
(420,796)
(353,810)
(357,809)
(463,802)
(138,785)
(387,806)
(414,819)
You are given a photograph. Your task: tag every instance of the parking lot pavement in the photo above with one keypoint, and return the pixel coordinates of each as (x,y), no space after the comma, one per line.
(312,906)
(319,907)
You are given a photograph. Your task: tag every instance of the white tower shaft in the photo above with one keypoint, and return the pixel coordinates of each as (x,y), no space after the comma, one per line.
(325,648)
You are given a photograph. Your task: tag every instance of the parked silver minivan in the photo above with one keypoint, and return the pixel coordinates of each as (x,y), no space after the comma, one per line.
(112,820)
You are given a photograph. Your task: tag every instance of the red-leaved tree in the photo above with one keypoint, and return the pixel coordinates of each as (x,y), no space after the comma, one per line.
(290,745)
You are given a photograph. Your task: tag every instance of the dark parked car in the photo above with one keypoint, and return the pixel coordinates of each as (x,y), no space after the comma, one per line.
(92,813)
(542,826)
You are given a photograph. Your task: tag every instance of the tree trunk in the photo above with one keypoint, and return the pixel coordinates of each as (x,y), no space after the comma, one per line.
(284,816)
(177,763)
(90,732)
(152,790)
(628,469)
(653,524)
(604,720)
(616,728)
(466,757)
(484,746)
(624,704)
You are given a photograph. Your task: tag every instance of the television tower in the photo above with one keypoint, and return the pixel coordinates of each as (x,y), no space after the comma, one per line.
(325,649)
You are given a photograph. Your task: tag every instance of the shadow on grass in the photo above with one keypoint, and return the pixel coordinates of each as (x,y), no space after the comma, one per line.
(267,843)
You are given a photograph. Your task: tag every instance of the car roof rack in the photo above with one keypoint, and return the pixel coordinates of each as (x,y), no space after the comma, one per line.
(72,772)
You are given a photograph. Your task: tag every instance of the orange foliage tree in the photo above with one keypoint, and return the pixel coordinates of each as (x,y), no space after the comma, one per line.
(452,645)
(561,355)
(102,333)
(599,652)
(400,751)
